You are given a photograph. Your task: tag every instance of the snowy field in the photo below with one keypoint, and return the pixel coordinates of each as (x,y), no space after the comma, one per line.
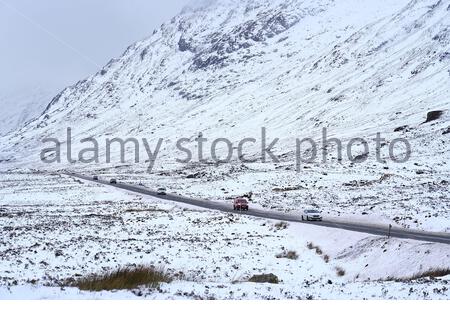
(56,228)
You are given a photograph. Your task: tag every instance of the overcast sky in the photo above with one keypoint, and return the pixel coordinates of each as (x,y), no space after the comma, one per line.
(53,43)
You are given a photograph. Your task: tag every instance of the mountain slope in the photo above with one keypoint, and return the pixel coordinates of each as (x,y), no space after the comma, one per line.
(289,65)
(17,108)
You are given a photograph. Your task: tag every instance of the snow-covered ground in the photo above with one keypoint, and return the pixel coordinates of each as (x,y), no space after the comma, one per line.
(55,228)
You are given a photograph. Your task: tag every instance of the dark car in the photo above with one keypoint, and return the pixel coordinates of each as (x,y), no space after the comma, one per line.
(161,191)
(113,181)
(95,178)
(240,204)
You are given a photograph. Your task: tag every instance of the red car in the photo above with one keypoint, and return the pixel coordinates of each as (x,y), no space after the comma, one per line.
(240,204)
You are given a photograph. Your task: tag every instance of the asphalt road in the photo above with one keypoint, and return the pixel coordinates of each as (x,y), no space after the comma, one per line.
(369,228)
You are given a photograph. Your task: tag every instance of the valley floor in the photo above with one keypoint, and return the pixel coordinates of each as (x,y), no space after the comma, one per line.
(56,228)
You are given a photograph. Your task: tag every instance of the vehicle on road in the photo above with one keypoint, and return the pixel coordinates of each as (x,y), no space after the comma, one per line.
(240,204)
(357,226)
(113,181)
(141,184)
(161,191)
(95,178)
(311,215)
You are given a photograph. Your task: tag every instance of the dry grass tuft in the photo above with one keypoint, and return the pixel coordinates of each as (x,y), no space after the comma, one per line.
(340,272)
(311,246)
(292,255)
(265,278)
(432,273)
(281,225)
(124,279)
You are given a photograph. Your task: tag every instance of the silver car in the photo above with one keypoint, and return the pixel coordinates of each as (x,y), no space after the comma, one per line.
(311,215)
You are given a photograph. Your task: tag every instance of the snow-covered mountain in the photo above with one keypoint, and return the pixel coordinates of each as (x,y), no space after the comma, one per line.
(226,68)
(21,106)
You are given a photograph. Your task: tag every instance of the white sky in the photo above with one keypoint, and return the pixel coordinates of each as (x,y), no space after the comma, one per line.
(51,44)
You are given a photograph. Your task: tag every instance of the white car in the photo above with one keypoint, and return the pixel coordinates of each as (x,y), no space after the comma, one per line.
(161,191)
(311,215)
